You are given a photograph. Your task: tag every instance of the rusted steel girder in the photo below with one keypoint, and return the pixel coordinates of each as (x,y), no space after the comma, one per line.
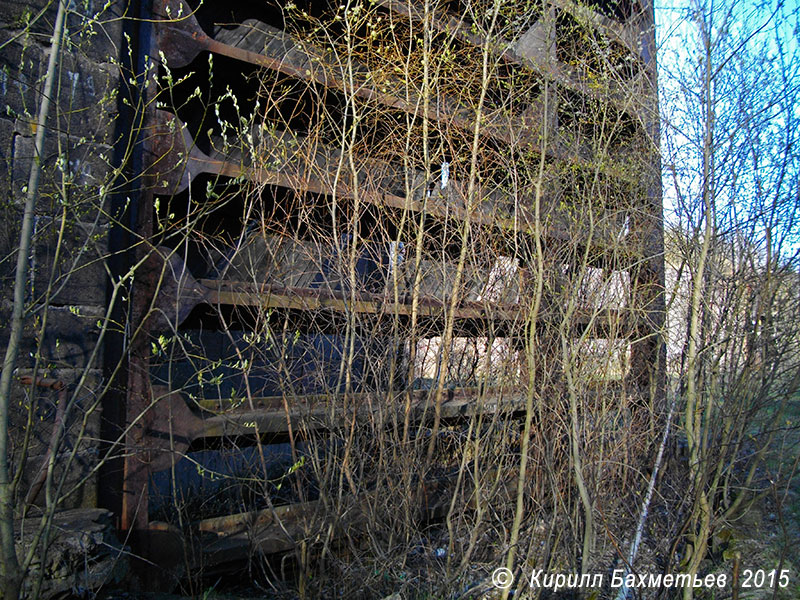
(183,298)
(649,354)
(629,98)
(173,426)
(181,39)
(176,160)
(134,503)
(601,321)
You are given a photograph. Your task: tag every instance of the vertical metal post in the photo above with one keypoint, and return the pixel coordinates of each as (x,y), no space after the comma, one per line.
(134,513)
(648,353)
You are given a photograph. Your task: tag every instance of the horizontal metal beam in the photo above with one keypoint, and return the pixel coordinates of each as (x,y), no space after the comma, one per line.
(629,98)
(181,39)
(293,162)
(310,299)
(174,426)
(236,293)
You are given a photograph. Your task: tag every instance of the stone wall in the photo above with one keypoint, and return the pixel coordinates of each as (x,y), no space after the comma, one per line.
(67,288)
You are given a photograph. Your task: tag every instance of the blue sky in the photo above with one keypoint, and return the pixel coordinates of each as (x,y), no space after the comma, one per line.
(756,106)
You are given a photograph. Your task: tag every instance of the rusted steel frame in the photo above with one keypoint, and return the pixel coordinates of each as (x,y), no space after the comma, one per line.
(174,426)
(177,36)
(602,321)
(136,469)
(264,295)
(522,129)
(627,34)
(188,30)
(173,147)
(175,159)
(136,472)
(648,353)
(182,37)
(268,296)
(503,49)
(458,396)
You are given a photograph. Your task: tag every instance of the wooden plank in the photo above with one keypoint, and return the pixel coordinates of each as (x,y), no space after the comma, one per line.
(270,531)
(234,537)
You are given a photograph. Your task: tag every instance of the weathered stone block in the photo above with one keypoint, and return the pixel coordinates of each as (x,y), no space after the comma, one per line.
(93,29)
(78,276)
(85,94)
(22,14)
(6,158)
(84,102)
(87,98)
(38,411)
(84,555)
(19,73)
(77,169)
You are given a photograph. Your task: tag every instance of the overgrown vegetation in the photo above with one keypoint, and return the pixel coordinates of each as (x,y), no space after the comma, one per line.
(468,243)
(388,296)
